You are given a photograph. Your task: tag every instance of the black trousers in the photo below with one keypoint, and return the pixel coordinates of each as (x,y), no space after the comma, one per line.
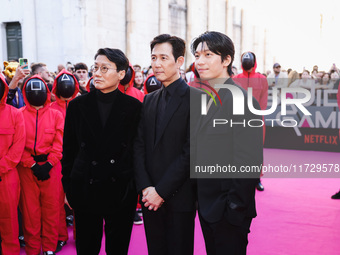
(169,233)
(118,227)
(223,238)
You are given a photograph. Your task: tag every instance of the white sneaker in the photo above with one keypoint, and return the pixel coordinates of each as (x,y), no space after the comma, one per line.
(49,253)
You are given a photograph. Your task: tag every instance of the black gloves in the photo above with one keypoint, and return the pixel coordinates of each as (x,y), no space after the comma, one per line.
(36,170)
(46,168)
(42,172)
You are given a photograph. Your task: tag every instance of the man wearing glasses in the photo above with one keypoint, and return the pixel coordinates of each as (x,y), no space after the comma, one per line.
(97,158)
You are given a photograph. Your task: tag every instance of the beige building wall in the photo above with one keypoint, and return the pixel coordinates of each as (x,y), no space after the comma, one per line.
(254,34)
(57,31)
(143,24)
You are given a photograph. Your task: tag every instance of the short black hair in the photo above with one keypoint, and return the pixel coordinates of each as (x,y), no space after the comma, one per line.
(218,43)
(80,66)
(116,56)
(178,44)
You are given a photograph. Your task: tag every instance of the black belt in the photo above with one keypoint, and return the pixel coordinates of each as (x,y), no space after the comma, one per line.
(40,158)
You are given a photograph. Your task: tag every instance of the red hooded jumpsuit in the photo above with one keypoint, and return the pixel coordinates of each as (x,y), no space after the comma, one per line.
(131,90)
(12,142)
(61,106)
(39,200)
(260,87)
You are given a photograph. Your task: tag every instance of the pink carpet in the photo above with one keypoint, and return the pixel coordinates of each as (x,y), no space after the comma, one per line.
(295,216)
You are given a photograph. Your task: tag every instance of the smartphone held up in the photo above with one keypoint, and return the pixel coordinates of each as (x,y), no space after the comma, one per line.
(23,61)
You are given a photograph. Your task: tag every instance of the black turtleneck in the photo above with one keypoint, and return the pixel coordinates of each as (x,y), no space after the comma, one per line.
(105,102)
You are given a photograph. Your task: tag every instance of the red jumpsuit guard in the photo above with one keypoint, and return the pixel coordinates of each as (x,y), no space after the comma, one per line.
(153,84)
(39,200)
(61,106)
(260,87)
(12,142)
(131,90)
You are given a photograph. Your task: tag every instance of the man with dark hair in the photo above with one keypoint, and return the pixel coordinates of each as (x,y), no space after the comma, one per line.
(97,158)
(81,70)
(80,66)
(226,204)
(162,151)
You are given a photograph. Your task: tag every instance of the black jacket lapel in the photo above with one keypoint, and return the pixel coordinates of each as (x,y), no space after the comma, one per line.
(174,103)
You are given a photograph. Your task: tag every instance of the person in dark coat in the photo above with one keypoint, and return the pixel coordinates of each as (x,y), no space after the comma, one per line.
(162,154)
(226,199)
(97,158)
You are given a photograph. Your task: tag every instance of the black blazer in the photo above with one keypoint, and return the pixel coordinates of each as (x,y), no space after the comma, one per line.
(238,146)
(164,163)
(97,161)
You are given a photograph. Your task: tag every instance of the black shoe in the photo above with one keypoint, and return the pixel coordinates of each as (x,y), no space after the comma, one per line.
(60,245)
(336,196)
(259,186)
(49,253)
(22,241)
(69,220)
(137,220)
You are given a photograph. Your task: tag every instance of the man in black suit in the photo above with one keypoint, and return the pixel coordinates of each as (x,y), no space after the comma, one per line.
(162,151)
(226,201)
(97,158)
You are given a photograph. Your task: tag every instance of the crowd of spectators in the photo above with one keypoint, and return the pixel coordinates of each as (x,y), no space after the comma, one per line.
(277,78)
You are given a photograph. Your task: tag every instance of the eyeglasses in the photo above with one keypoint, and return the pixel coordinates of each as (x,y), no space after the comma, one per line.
(103,69)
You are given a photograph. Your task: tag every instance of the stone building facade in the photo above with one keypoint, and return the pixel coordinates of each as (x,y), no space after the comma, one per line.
(57,31)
